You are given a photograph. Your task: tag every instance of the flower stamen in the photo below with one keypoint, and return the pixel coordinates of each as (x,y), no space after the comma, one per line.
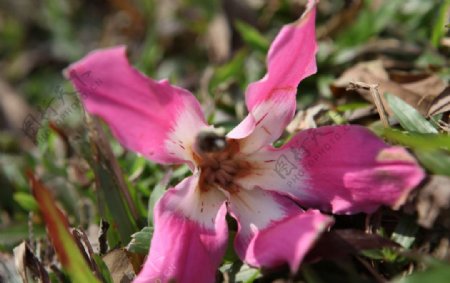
(220,168)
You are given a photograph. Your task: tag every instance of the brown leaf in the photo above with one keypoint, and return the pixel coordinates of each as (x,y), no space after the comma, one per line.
(305,119)
(419,91)
(119,266)
(431,85)
(218,39)
(433,199)
(27,262)
(403,77)
(345,242)
(14,113)
(8,270)
(441,103)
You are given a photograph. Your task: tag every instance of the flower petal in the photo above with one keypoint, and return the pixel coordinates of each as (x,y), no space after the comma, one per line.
(273,230)
(271,101)
(266,122)
(153,118)
(190,236)
(343,169)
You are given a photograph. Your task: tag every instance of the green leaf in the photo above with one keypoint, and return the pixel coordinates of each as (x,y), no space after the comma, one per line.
(138,165)
(417,140)
(111,187)
(140,241)
(376,254)
(13,234)
(405,232)
(385,254)
(229,70)
(310,274)
(432,150)
(156,194)
(180,173)
(438,273)
(58,230)
(336,117)
(439,27)
(26,201)
(230,253)
(240,272)
(436,161)
(109,194)
(408,117)
(106,274)
(252,37)
(369,23)
(352,106)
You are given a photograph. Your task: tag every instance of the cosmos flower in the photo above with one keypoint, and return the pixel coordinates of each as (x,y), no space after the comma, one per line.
(338,169)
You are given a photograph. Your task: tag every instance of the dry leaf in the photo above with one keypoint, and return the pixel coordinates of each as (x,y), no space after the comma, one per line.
(358,114)
(441,103)
(14,110)
(419,91)
(27,263)
(344,242)
(432,200)
(119,266)
(8,271)
(305,119)
(218,39)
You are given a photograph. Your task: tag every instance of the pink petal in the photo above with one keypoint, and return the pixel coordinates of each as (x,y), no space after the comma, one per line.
(273,230)
(271,101)
(153,118)
(343,169)
(190,236)
(266,122)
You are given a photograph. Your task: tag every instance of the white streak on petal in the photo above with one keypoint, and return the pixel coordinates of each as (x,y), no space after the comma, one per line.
(277,170)
(182,136)
(196,205)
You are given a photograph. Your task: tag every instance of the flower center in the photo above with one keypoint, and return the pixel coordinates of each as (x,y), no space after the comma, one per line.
(221,168)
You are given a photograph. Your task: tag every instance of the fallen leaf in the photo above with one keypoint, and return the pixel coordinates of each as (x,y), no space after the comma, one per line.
(218,39)
(419,91)
(441,103)
(26,263)
(305,119)
(15,113)
(431,85)
(8,270)
(432,200)
(119,265)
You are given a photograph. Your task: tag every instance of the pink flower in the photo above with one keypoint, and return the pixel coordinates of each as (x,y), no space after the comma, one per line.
(340,169)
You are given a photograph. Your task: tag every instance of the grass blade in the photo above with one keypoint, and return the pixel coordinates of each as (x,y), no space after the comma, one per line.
(408,117)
